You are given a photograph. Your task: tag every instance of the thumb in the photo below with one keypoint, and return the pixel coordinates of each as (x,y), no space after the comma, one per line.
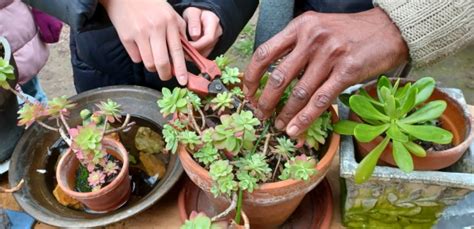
(192,16)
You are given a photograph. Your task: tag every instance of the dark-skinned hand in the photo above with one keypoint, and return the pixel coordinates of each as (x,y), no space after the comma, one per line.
(335,51)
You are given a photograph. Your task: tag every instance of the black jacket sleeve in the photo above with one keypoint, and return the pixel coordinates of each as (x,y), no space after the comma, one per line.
(78,14)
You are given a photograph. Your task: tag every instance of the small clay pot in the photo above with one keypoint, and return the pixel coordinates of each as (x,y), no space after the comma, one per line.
(270,204)
(108,198)
(455,118)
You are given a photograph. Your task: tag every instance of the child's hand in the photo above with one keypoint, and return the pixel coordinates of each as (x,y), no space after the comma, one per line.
(204,28)
(149,31)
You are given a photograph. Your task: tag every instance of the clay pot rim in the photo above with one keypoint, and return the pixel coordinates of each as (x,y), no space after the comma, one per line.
(325,162)
(89,195)
(468,119)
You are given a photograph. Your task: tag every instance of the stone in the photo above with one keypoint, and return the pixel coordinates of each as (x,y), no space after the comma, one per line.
(66,200)
(152,165)
(148,141)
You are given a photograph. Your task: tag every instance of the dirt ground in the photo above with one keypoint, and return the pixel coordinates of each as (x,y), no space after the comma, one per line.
(455,71)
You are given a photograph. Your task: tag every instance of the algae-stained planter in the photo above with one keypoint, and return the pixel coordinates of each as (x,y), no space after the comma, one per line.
(241,163)
(402,198)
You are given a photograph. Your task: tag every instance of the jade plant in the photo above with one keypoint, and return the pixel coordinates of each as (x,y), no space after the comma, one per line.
(97,166)
(239,151)
(402,116)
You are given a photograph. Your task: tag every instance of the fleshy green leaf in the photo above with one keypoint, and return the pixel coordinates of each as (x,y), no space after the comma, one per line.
(389,104)
(402,157)
(367,165)
(394,133)
(425,88)
(430,111)
(362,107)
(345,127)
(415,149)
(364,93)
(401,93)
(383,81)
(408,102)
(428,133)
(367,133)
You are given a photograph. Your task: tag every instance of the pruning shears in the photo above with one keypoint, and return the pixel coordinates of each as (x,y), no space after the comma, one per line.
(208,80)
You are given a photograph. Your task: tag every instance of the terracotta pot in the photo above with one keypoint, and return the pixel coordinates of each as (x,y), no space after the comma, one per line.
(108,198)
(272,203)
(453,119)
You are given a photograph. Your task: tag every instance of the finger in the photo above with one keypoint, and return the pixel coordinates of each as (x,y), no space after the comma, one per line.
(316,73)
(146,53)
(160,51)
(210,31)
(279,79)
(265,54)
(132,50)
(337,82)
(177,55)
(192,16)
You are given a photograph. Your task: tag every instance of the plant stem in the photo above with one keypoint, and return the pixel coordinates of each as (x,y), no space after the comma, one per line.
(241,106)
(239,206)
(193,120)
(276,167)
(203,118)
(63,120)
(65,137)
(265,130)
(41,123)
(267,141)
(228,210)
(125,125)
(20,95)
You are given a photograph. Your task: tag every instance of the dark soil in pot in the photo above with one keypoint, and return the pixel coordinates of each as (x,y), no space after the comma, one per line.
(453,119)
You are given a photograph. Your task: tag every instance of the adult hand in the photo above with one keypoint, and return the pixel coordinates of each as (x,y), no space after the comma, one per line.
(204,28)
(334,50)
(149,31)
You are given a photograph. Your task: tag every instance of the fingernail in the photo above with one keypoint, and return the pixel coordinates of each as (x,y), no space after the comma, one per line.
(279,124)
(182,80)
(292,130)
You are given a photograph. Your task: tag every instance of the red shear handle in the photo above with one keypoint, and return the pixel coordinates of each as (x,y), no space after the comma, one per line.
(205,65)
(198,84)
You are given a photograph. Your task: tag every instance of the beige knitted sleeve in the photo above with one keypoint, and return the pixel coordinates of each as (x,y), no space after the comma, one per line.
(432,29)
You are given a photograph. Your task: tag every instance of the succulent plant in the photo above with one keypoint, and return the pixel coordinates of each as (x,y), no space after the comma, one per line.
(223,178)
(222,61)
(30,113)
(170,134)
(247,182)
(230,76)
(400,115)
(189,139)
(110,109)
(299,168)
(236,91)
(202,221)
(318,131)
(233,134)
(221,102)
(172,102)
(284,148)
(255,165)
(6,73)
(207,154)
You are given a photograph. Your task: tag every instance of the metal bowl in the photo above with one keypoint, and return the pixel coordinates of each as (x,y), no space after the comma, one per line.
(31,155)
